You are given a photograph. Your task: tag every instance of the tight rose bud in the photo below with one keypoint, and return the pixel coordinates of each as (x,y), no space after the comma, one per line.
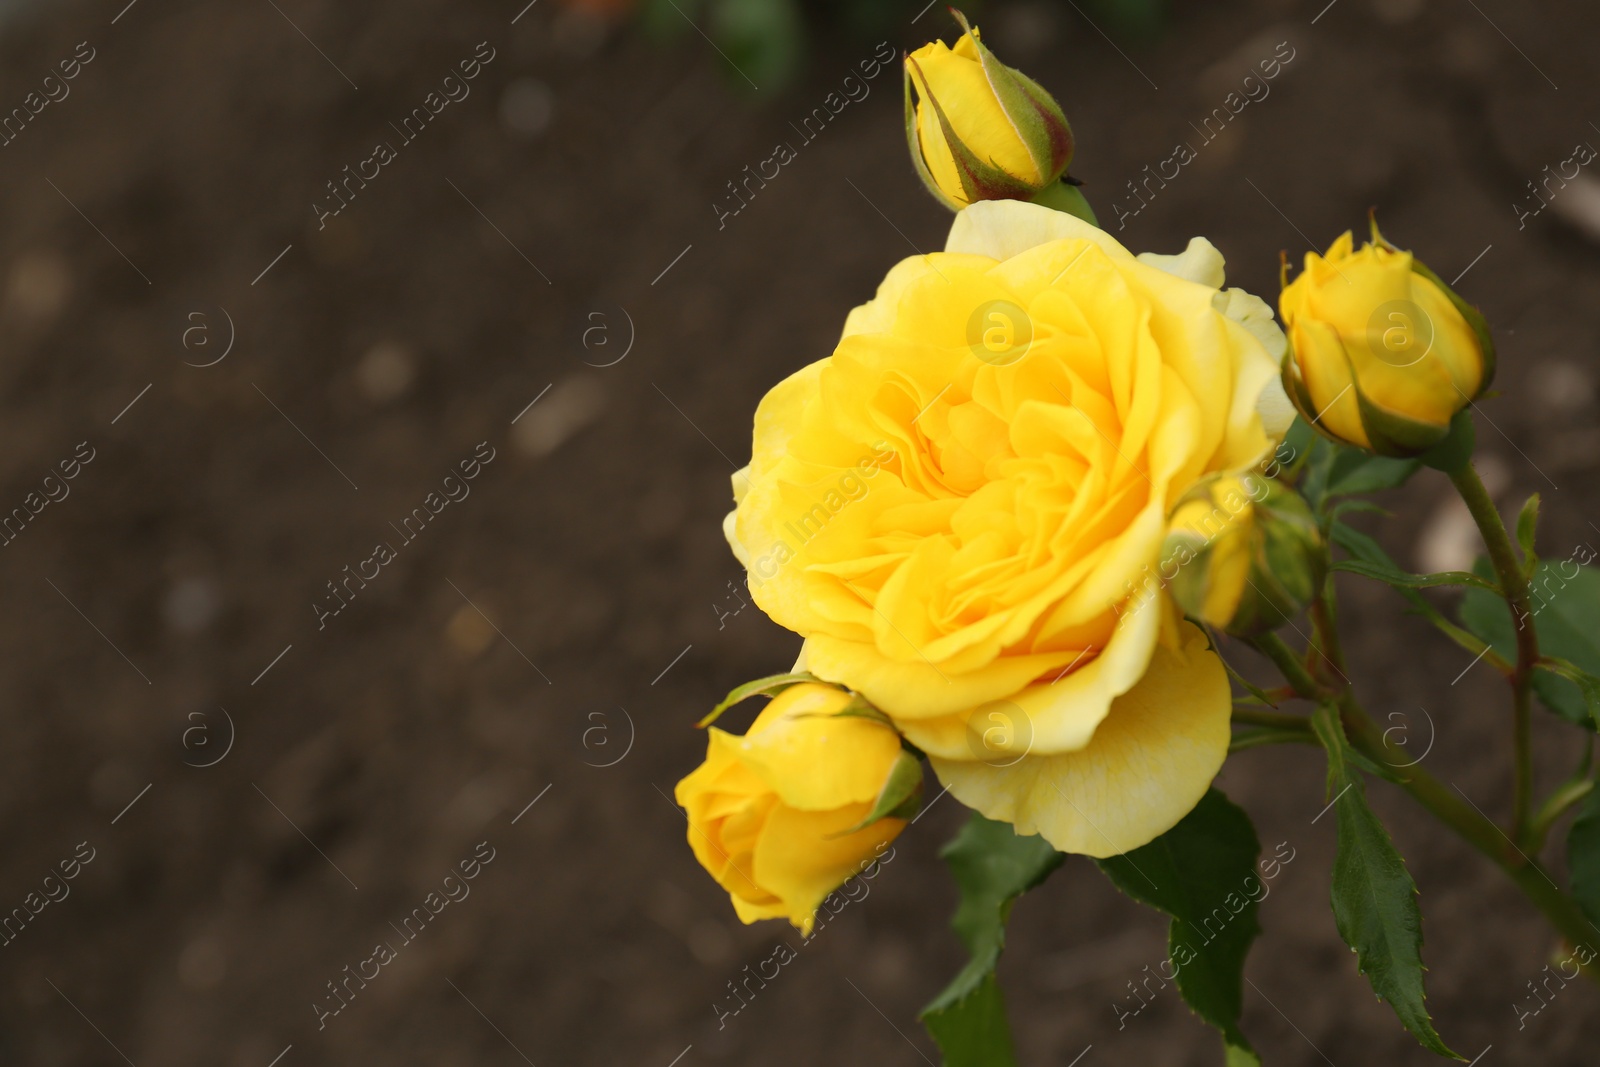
(1382,353)
(979,130)
(776,815)
(1244,553)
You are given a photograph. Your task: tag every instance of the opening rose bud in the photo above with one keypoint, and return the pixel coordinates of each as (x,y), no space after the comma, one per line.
(776,816)
(1382,353)
(979,130)
(1245,553)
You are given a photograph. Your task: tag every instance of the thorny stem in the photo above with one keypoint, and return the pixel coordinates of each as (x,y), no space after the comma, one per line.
(1449,806)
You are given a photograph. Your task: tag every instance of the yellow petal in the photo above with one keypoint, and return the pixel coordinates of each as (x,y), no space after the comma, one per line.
(813,759)
(1149,762)
(1059,714)
(801,860)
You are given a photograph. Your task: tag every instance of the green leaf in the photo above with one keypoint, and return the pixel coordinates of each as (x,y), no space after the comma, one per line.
(771,685)
(1527,530)
(1366,549)
(1588,685)
(900,797)
(1394,576)
(992,868)
(1583,857)
(1354,471)
(1374,898)
(1200,873)
(1566,615)
(973,1032)
(764,41)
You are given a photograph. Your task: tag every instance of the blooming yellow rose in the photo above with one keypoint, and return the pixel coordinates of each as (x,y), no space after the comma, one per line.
(1384,354)
(768,812)
(981,130)
(1043,397)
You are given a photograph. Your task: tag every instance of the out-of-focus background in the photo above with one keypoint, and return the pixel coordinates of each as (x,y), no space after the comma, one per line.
(259,344)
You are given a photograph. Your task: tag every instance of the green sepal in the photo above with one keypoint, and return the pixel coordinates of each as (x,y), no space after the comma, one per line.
(1035,117)
(900,797)
(914,143)
(862,708)
(770,685)
(1527,533)
(1455,451)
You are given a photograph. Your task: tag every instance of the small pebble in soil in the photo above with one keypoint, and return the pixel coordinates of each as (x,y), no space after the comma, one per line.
(1562,386)
(385,372)
(39,285)
(571,404)
(191,605)
(469,632)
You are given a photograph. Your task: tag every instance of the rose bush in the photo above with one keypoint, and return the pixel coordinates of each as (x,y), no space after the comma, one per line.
(1047,397)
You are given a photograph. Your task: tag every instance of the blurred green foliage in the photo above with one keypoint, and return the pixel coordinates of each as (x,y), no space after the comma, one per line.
(767,42)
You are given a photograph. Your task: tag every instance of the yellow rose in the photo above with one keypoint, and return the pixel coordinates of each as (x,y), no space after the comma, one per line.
(981,130)
(1244,553)
(768,812)
(1384,353)
(1031,403)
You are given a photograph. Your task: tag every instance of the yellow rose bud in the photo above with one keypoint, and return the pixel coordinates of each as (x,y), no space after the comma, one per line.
(775,816)
(1382,353)
(980,130)
(1243,553)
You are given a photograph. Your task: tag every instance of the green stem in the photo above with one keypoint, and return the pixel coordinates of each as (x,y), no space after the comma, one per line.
(1275,719)
(1562,800)
(1451,808)
(1294,672)
(1514,586)
(1456,812)
(1326,629)
(1267,736)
